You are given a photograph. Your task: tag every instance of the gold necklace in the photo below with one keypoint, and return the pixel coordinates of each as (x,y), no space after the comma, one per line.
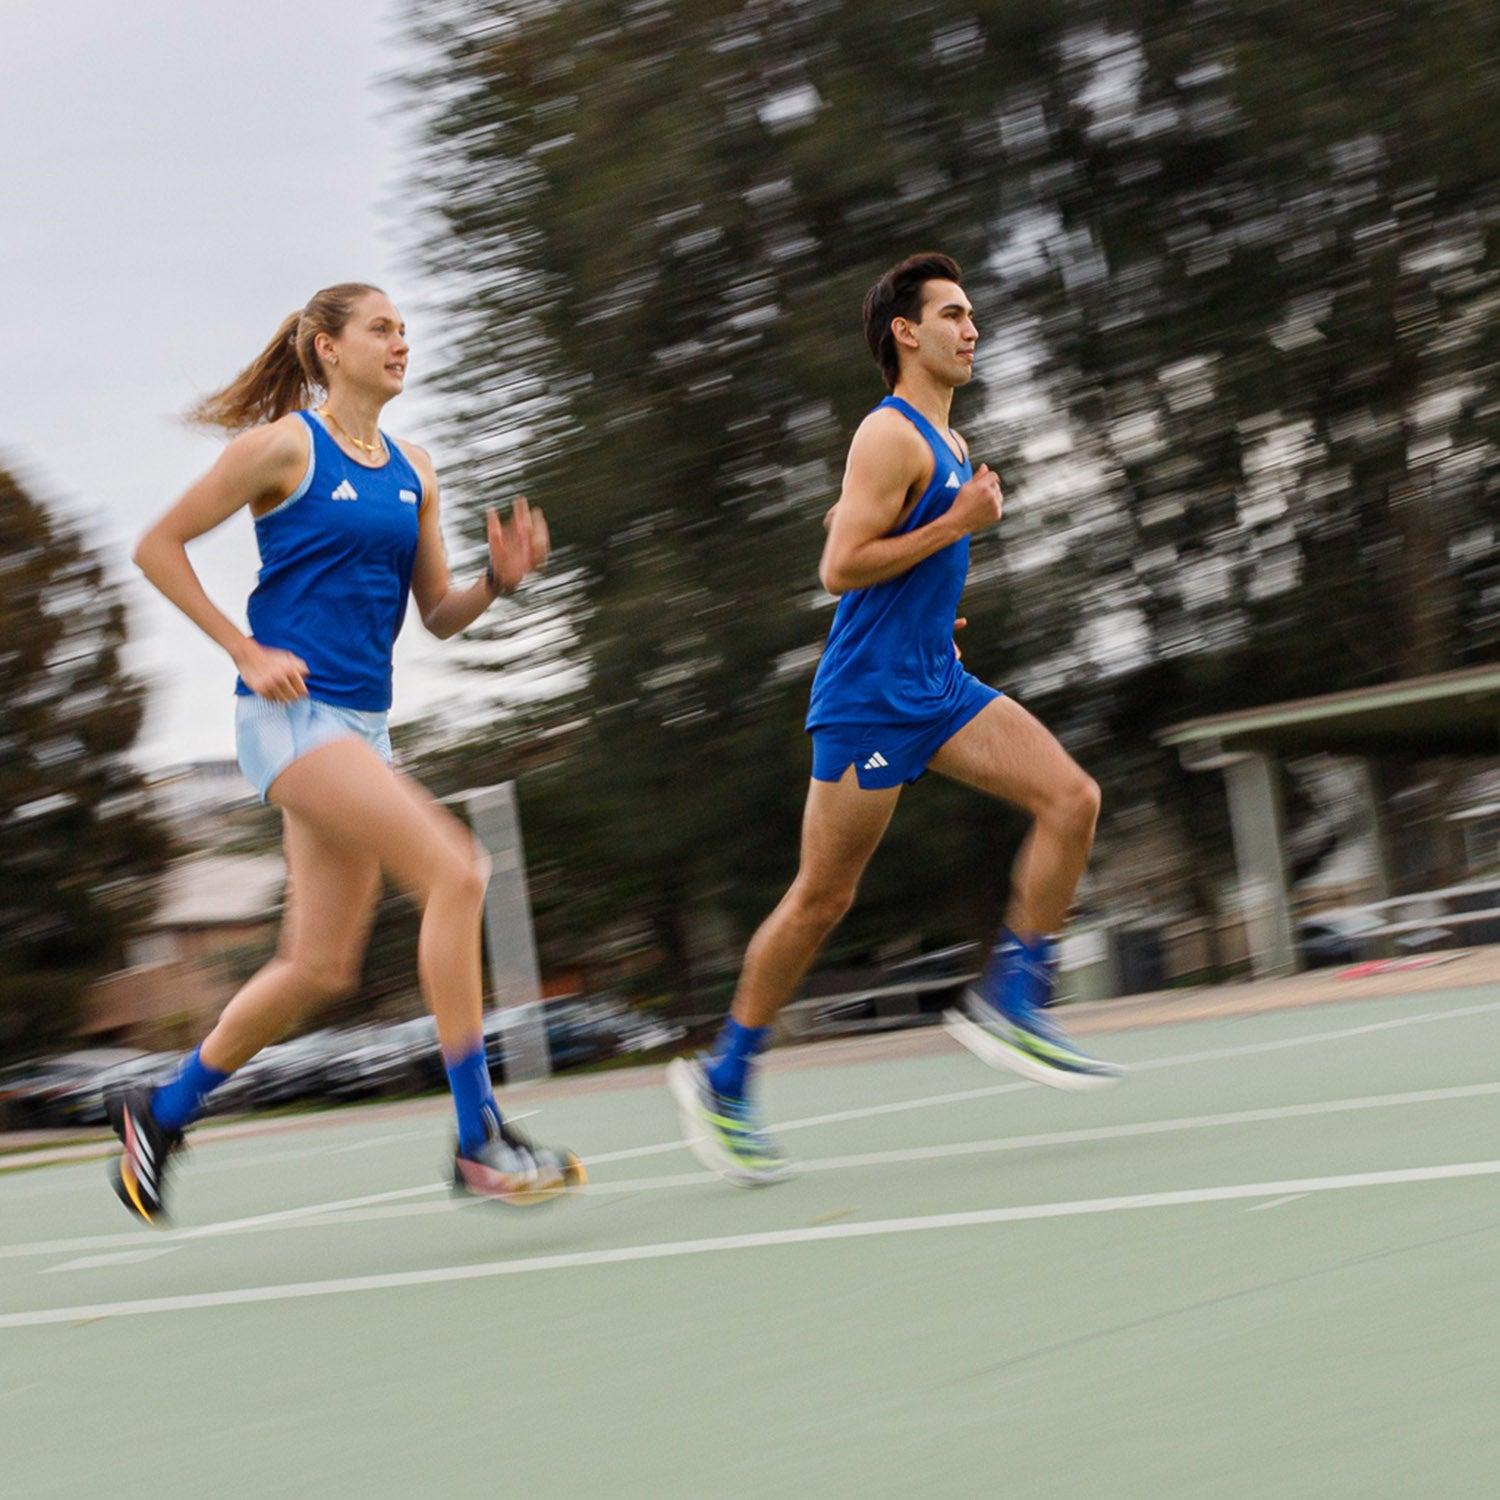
(377,447)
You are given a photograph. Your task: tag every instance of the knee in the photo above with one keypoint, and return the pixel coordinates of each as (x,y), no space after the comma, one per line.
(325,978)
(1074,805)
(464,875)
(1089,799)
(822,906)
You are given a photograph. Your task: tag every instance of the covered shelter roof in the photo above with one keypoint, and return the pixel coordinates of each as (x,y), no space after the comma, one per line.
(1449,713)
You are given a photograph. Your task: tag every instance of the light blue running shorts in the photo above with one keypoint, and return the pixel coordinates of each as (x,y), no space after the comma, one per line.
(269,736)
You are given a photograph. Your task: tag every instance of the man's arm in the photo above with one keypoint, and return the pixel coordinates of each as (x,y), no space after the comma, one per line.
(888,465)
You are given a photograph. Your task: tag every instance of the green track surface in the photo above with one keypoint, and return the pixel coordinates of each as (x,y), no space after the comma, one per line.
(1265,1266)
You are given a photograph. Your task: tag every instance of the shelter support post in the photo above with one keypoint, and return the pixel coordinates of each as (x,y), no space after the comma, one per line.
(1256,819)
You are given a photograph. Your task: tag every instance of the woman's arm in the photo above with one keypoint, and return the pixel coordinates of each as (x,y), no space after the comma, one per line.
(517,547)
(259,468)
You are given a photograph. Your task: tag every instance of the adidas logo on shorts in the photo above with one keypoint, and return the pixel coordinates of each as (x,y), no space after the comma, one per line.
(875,762)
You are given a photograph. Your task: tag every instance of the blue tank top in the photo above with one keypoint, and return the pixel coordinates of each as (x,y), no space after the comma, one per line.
(890,656)
(335,570)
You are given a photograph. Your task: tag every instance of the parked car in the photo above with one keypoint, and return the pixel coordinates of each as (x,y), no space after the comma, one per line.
(83,1103)
(1330,938)
(296,1071)
(52,1092)
(912,992)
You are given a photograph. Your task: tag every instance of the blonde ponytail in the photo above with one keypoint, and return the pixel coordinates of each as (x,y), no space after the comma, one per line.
(287,374)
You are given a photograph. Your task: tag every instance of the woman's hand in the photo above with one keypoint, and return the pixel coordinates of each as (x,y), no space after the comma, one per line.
(269,672)
(518,546)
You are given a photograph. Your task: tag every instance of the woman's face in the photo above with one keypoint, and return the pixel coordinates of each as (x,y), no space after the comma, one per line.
(370,352)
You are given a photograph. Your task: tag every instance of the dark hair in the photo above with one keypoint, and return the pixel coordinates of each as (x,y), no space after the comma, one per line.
(898,294)
(286,373)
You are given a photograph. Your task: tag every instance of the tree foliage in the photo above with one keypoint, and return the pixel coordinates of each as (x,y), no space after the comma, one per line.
(1235,266)
(658,249)
(79,848)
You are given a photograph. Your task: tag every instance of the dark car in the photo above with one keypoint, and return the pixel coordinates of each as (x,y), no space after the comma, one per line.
(1336,937)
(56,1092)
(912,992)
(292,1072)
(581,1030)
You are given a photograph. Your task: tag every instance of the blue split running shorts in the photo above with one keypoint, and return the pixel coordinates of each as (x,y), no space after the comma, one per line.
(269,736)
(887,755)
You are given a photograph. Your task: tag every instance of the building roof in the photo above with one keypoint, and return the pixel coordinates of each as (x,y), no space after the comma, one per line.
(221,889)
(1450,713)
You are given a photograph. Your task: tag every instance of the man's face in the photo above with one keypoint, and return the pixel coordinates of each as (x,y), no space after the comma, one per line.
(942,340)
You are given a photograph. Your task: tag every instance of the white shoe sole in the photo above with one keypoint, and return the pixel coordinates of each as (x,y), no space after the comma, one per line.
(996,1053)
(700,1139)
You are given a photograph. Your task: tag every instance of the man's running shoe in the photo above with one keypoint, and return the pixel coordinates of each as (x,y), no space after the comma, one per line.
(1005,1023)
(512,1169)
(139,1174)
(726,1134)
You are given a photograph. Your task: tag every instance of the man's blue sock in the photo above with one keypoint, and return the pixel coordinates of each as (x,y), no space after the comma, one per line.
(474,1099)
(735,1049)
(1018,976)
(179,1101)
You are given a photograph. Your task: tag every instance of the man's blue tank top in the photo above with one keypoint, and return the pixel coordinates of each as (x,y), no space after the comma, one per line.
(890,657)
(335,570)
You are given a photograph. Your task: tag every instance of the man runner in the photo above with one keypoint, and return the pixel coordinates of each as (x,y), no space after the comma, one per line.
(890,700)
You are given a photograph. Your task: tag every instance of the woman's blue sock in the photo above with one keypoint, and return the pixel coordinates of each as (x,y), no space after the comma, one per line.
(735,1049)
(179,1101)
(474,1099)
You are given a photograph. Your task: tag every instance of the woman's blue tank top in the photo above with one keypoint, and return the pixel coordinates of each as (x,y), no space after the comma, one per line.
(890,657)
(335,570)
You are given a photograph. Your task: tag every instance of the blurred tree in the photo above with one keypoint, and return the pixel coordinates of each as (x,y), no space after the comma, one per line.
(1256,247)
(1260,245)
(658,222)
(1236,269)
(79,848)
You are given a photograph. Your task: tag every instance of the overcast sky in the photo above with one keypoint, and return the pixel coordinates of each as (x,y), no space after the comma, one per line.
(175,180)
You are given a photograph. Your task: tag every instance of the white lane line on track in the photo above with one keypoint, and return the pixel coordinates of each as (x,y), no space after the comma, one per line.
(116,1258)
(1220,1054)
(397,1204)
(1271,1114)
(1276,1202)
(209,1231)
(624,1254)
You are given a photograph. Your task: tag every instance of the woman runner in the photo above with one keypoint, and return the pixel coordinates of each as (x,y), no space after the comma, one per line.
(346,519)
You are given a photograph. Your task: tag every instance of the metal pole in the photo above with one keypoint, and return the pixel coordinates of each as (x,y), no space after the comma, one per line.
(510,941)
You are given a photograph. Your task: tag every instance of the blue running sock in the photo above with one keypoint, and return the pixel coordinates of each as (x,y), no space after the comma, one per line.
(1017,980)
(1030,978)
(179,1101)
(474,1099)
(735,1049)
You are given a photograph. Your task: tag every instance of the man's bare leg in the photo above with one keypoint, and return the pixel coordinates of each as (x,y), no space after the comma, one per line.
(1007,753)
(842,825)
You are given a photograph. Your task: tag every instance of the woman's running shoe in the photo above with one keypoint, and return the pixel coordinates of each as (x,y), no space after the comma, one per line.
(512,1169)
(139,1173)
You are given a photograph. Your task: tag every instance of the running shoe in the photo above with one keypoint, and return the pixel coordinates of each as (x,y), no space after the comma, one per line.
(1005,1023)
(139,1173)
(512,1169)
(726,1134)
